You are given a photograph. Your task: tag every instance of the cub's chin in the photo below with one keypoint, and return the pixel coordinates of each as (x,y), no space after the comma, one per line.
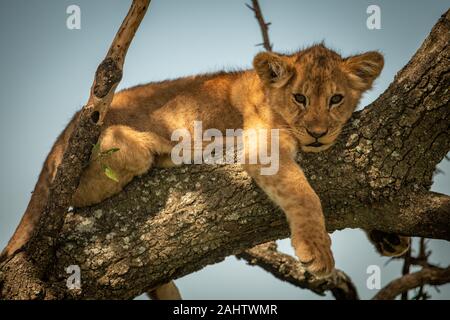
(315,148)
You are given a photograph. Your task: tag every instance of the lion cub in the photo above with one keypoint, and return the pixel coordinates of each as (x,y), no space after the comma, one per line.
(308,96)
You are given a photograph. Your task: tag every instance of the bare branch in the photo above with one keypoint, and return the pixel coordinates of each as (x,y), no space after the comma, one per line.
(109,72)
(421,259)
(405,270)
(287,268)
(428,275)
(264,26)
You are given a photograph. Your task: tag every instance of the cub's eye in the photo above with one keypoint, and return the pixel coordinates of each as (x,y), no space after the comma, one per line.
(337,98)
(300,99)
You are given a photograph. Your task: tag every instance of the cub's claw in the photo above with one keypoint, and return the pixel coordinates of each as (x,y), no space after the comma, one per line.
(315,256)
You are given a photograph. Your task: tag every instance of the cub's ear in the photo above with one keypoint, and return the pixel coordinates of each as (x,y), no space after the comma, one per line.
(274,70)
(363,69)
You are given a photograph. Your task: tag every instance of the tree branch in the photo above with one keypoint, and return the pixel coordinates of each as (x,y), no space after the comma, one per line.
(401,285)
(428,275)
(406,268)
(287,268)
(264,26)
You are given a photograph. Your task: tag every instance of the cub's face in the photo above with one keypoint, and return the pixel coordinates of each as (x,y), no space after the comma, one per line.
(316,90)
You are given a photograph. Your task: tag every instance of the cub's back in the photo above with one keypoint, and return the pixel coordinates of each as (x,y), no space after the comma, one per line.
(165,106)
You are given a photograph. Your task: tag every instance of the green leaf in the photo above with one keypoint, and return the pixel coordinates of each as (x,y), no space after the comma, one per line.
(110,173)
(95,149)
(110,151)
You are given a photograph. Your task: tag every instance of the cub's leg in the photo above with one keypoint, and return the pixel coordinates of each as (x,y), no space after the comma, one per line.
(290,189)
(389,244)
(135,156)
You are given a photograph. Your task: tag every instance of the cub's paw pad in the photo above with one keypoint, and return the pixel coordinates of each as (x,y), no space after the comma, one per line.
(389,244)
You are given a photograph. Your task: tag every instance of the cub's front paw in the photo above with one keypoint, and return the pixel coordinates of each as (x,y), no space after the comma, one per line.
(315,255)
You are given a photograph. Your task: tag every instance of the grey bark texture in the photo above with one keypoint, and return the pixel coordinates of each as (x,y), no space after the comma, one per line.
(171,222)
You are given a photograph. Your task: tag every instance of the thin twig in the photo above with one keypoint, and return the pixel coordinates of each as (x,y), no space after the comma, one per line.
(430,274)
(405,269)
(262,24)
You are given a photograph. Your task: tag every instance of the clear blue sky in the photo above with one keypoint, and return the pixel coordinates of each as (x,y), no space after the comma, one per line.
(47,70)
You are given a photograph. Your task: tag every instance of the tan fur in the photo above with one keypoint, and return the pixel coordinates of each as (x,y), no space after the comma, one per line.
(167,291)
(389,244)
(141,120)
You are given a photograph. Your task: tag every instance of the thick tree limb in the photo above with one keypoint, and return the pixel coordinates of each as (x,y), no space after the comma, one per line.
(428,275)
(286,268)
(171,222)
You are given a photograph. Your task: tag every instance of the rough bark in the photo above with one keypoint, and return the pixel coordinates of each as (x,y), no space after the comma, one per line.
(286,268)
(171,222)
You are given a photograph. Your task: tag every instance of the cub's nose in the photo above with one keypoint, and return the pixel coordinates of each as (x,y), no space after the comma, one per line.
(317,133)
